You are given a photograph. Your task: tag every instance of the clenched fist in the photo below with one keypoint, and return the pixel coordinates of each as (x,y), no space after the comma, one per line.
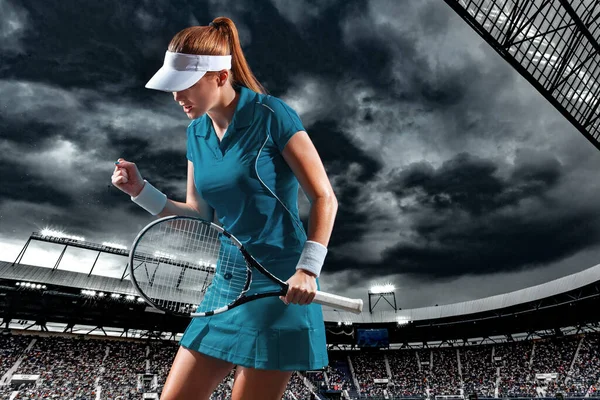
(302,288)
(127,177)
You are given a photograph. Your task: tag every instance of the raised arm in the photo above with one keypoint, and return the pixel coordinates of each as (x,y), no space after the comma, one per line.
(128,179)
(194,206)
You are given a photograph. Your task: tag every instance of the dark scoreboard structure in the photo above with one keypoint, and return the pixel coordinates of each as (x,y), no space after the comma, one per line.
(373,338)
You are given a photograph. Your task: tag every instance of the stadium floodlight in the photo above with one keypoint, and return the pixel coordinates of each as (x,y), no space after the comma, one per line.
(384,291)
(30,285)
(402,320)
(101,294)
(381,289)
(130,297)
(140,300)
(114,245)
(60,235)
(115,295)
(87,292)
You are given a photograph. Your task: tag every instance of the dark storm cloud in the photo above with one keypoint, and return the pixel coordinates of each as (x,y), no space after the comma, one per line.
(105,44)
(419,123)
(12,25)
(19,184)
(338,154)
(279,51)
(469,218)
(25,134)
(470,184)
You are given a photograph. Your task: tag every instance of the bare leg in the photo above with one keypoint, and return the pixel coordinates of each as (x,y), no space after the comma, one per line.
(194,376)
(259,384)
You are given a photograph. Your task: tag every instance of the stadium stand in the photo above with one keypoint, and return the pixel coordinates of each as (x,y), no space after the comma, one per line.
(478,370)
(538,342)
(88,368)
(408,378)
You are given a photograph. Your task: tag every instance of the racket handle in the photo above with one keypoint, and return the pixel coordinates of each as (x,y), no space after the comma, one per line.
(344,303)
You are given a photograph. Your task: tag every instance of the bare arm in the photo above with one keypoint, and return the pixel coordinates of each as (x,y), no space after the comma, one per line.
(303,158)
(194,206)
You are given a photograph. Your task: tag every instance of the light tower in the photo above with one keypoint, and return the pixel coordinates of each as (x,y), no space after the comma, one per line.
(382,292)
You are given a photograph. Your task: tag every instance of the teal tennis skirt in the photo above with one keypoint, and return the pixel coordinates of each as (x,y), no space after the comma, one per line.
(265,333)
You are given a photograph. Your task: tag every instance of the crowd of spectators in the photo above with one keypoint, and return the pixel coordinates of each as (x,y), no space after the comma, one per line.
(425,360)
(297,387)
(554,355)
(338,372)
(585,374)
(75,367)
(162,354)
(445,379)
(67,367)
(514,360)
(11,348)
(407,379)
(368,367)
(478,370)
(317,379)
(125,360)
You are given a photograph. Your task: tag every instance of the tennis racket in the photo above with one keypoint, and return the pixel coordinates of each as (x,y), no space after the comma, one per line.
(191,267)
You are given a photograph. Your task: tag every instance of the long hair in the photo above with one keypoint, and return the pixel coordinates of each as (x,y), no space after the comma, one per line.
(220,38)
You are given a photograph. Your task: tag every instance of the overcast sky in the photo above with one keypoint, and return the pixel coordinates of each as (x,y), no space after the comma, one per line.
(455,178)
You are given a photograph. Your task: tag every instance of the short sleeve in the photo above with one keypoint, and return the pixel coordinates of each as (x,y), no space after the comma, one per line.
(190,134)
(192,143)
(285,122)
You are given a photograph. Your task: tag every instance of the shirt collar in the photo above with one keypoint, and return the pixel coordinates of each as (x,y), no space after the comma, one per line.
(244,111)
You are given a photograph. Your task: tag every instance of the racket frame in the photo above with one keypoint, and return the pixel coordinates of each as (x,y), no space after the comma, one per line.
(352,305)
(248,258)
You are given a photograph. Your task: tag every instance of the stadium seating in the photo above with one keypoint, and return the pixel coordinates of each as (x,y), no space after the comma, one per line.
(92,367)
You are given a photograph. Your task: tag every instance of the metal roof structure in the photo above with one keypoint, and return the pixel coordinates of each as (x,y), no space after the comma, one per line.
(530,294)
(58,277)
(554,44)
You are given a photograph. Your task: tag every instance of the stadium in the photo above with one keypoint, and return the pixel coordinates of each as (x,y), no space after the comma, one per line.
(80,335)
(84,333)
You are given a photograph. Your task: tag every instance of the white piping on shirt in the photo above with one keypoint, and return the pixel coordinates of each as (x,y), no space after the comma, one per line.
(298,224)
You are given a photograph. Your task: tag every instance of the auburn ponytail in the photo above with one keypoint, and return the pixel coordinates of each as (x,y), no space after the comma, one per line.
(242,75)
(220,38)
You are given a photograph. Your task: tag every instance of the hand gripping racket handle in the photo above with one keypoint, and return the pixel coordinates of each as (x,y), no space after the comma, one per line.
(344,303)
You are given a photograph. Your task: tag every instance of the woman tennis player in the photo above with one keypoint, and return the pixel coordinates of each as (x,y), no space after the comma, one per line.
(247,152)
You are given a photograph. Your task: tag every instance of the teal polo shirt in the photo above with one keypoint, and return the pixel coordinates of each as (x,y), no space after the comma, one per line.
(245,178)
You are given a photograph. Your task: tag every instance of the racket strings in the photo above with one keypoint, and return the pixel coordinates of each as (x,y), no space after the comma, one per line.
(186,265)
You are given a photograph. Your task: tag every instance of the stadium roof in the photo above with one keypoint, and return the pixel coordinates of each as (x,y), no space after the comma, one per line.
(527,295)
(21,272)
(59,277)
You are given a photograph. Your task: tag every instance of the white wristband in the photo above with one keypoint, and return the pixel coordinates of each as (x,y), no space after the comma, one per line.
(312,257)
(150,199)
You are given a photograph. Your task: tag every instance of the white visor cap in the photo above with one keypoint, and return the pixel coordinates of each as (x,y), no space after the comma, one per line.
(181,71)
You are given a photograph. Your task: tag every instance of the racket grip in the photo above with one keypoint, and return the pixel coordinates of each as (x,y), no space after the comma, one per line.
(344,303)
